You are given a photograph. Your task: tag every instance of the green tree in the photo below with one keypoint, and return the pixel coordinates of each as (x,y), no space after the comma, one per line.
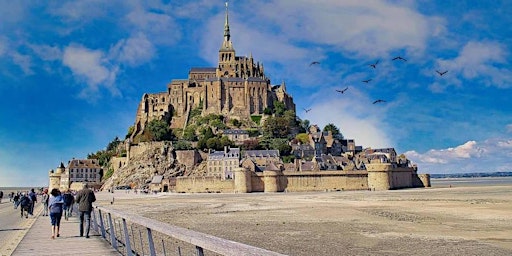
(334,130)
(250,144)
(303,138)
(182,145)
(206,133)
(158,130)
(112,146)
(281,145)
(225,141)
(276,127)
(279,108)
(190,133)
(235,122)
(213,143)
(131,129)
(304,125)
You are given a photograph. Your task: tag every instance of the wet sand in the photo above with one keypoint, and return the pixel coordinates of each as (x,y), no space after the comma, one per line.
(469,220)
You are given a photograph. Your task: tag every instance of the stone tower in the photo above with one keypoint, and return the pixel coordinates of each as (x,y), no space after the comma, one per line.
(226,52)
(55,177)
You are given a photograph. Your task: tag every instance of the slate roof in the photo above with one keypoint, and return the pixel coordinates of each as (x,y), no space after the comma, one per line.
(157,179)
(203,70)
(261,153)
(235,131)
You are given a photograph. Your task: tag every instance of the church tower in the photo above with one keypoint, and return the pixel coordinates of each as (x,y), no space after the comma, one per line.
(227,65)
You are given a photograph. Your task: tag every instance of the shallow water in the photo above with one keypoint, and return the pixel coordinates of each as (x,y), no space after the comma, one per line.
(469,182)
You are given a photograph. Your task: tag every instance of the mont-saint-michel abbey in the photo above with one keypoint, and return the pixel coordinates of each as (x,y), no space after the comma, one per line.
(240,98)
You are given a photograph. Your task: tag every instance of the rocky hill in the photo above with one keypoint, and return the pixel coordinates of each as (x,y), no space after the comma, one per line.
(154,159)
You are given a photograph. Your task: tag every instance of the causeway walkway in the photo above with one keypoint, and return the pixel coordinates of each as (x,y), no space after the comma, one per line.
(37,240)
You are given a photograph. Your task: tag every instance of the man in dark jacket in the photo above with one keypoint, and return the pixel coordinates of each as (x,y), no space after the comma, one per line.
(84,198)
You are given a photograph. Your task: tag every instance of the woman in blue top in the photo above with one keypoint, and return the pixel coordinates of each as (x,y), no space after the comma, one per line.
(55,204)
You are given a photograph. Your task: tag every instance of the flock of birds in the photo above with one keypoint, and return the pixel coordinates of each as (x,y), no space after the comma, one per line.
(374,66)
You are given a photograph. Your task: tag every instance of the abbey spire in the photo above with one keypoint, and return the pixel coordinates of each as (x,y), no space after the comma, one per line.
(227,44)
(226,25)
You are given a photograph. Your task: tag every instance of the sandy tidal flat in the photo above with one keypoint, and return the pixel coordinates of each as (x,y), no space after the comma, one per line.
(435,221)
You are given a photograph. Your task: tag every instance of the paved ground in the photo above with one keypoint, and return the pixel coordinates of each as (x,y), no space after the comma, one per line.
(31,236)
(436,221)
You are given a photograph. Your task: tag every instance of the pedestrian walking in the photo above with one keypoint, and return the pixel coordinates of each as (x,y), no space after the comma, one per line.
(24,204)
(33,198)
(45,200)
(55,204)
(1,196)
(69,200)
(85,198)
(16,200)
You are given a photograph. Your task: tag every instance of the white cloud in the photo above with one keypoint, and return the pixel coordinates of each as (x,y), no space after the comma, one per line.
(159,27)
(351,115)
(3,46)
(23,61)
(91,66)
(134,51)
(46,52)
(479,60)
(509,128)
(367,28)
(472,156)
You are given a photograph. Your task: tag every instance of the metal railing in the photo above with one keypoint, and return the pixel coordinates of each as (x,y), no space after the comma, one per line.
(132,235)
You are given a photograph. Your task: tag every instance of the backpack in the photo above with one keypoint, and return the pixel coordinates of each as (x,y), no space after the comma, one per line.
(24,201)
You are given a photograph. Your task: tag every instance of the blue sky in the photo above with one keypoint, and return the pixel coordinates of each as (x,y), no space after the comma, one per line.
(72,72)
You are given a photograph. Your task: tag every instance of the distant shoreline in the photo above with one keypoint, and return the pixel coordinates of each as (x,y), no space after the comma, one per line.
(472,175)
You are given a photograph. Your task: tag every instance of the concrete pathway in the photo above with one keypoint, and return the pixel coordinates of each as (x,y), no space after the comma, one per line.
(37,240)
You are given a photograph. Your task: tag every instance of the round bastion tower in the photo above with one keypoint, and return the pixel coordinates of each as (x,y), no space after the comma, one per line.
(55,177)
(242,180)
(379,175)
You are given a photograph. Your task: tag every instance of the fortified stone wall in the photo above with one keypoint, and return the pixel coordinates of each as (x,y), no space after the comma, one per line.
(137,149)
(384,176)
(204,185)
(326,180)
(381,176)
(117,162)
(402,177)
(188,157)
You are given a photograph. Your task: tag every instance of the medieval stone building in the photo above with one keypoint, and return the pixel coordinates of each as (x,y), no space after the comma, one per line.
(236,88)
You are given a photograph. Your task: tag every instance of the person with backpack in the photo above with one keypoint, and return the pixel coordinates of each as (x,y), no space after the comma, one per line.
(33,198)
(24,204)
(16,200)
(69,200)
(55,205)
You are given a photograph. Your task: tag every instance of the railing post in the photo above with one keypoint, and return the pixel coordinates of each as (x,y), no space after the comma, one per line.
(102,225)
(199,251)
(150,243)
(94,221)
(127,239)
(113,240)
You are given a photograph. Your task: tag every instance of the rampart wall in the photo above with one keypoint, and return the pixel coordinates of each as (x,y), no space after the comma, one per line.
(378,177)
(204,185)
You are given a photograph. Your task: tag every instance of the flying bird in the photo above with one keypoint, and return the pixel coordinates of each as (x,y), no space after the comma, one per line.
(441,73)
(366,81)
(399,58)
(378,101)
(342,91)
(307,110)
(314,63)
(374,65)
